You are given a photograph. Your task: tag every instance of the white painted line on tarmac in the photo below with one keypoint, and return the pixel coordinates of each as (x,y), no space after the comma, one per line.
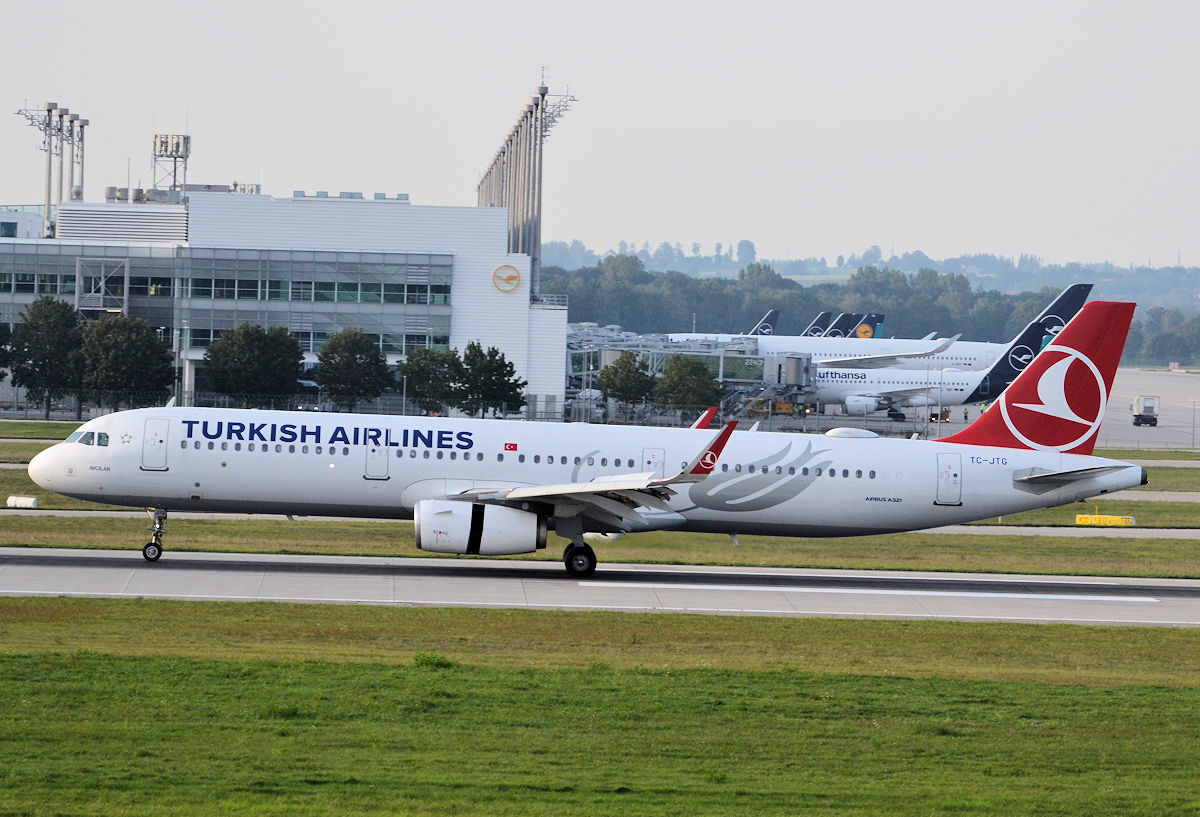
(849,591)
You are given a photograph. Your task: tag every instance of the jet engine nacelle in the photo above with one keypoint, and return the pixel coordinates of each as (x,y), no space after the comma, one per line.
(859,404)
(446,526)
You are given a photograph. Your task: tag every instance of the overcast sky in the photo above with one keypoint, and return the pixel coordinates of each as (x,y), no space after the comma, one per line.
(1067,130)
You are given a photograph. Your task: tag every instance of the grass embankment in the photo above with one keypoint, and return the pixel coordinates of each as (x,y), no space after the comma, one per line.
(178,708)
(20,452)
(1147,454)
(36,429)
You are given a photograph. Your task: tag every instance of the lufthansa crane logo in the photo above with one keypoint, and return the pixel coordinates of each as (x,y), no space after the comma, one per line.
(506,278)
(864,330)
(1019,357)
(1068,405)
(1053,324)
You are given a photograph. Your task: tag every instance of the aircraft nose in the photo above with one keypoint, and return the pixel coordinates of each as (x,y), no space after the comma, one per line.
(41,468)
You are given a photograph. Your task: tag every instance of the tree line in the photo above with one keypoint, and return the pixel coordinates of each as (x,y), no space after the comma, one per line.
(686,382)
(620,290)
(1171,286)
(53,353)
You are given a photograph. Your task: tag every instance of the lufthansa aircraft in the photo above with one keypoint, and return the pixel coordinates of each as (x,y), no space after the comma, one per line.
(494,487)
(872,352)
(865,390)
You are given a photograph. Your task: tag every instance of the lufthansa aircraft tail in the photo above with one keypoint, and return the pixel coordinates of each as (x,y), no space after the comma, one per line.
(843,325)
(818,326)
(1057,401)
(1059,311)
(766,325)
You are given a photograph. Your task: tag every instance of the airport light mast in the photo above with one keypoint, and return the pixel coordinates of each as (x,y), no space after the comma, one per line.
(514,178)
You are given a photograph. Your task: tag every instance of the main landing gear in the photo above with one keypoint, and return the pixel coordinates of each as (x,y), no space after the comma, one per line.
(154,548)
(580,560)
(578,556)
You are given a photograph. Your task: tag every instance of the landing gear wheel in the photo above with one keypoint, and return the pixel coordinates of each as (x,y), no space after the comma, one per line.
(154,548)
(580,561)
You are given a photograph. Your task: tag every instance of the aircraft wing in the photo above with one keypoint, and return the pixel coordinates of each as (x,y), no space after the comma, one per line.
(889,396)
(883,361)
(615,498)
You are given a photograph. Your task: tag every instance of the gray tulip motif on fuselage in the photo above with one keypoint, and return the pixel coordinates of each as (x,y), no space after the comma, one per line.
(734,490)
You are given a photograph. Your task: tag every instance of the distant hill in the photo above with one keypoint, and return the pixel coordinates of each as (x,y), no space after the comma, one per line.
(1167,287)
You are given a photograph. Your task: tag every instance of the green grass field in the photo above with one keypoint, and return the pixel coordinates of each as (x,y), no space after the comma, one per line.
(35,430)
(137,707)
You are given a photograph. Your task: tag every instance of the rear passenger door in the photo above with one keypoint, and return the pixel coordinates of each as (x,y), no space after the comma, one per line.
(949,484)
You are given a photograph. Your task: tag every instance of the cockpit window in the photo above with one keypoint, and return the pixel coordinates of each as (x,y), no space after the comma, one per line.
(101,438)
(89,438)
(74,437)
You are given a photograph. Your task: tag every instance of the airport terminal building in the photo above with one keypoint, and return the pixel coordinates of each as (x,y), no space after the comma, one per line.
(408,276)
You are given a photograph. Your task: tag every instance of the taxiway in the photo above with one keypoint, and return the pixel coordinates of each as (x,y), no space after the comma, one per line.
(544,586)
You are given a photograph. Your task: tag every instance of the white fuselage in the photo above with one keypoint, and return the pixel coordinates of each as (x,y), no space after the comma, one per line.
(898,387)
(963,355)
(191,459)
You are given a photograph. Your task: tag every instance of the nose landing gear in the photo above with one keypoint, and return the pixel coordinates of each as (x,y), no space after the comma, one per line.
(154,548)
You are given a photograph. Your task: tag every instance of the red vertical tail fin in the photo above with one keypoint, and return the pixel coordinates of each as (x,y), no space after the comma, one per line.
(1058,401)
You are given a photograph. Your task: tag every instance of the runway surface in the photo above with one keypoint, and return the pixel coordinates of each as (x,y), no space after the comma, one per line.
(545,586)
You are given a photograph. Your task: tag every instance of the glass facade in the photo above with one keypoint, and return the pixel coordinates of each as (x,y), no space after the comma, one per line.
(400,300)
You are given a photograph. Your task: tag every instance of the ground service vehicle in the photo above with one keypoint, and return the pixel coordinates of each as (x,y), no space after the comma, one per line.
(1145,410)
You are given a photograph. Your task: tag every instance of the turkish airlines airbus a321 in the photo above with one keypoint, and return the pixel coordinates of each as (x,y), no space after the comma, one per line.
(495,487)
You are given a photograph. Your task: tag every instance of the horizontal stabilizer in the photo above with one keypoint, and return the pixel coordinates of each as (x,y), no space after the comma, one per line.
(1065,477)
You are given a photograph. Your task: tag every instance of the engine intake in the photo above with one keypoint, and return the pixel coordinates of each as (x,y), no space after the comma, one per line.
(446,526)
(860,404)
